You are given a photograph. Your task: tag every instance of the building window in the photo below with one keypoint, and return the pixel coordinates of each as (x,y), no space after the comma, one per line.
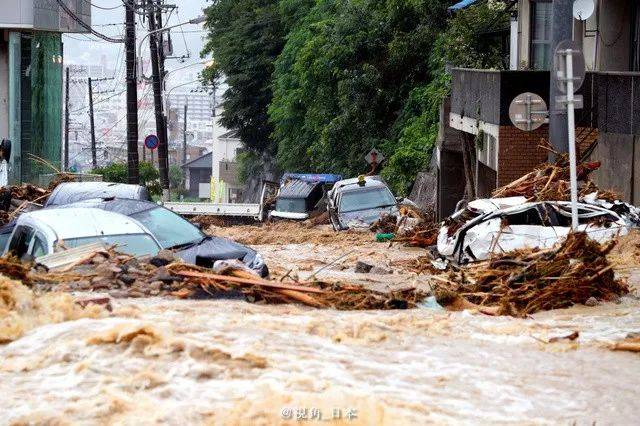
(541,34)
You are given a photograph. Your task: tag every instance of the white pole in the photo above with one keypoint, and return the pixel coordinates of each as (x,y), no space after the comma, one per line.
(572,141)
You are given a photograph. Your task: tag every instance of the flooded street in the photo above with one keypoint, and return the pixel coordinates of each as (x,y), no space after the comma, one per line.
(229,362)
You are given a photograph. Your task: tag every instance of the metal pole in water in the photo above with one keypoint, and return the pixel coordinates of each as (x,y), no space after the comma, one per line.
(572,140)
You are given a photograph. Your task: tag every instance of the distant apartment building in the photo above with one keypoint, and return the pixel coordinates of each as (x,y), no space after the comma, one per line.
(31,64)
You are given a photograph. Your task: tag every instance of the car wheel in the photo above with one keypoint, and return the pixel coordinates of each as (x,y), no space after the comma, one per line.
(264,271)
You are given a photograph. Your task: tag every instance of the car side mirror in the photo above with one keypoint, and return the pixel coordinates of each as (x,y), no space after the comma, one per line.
(399,199)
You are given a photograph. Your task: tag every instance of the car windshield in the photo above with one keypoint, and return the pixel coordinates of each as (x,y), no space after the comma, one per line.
(291,205)
(169,229)
(132,244)
(366,199)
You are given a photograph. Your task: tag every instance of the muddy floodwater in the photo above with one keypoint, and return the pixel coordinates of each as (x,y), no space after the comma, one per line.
(227,362)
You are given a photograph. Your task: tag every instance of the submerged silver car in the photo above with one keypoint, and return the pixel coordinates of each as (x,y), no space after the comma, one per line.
(358,202)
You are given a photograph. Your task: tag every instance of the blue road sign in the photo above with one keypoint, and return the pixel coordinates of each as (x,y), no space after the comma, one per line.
(151,142)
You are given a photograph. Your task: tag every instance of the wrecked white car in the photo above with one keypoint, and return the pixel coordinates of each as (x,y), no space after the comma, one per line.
(493,226)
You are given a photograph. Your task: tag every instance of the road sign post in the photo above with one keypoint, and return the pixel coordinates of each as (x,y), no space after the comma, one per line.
(571,124)
(570,70)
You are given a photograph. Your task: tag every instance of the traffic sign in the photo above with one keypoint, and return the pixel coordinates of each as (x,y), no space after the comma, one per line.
(528,111)
(560,65)
(374,156)
(151,142)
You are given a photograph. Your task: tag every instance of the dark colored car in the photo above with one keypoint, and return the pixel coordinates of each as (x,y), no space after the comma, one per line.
(71,192)
(175,233)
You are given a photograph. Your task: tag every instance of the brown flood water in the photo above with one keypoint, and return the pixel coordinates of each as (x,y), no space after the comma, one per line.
(221,362)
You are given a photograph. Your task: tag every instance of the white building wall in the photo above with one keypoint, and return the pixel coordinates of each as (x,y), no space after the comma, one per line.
(16,14)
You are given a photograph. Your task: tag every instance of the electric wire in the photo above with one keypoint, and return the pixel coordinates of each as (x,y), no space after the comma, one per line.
(85,25)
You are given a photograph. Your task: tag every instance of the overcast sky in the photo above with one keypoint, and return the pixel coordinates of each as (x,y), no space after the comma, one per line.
(87,49)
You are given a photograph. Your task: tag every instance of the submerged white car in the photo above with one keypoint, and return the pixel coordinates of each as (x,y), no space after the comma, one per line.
(358,202)
(46,231)
(498,225)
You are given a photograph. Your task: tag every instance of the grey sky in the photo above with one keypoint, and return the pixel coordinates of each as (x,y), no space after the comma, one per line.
(87,49)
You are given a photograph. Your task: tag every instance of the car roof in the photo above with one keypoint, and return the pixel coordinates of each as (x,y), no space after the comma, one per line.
(123,206)
(296,188)
(70,192)
(82,222)
(352,183)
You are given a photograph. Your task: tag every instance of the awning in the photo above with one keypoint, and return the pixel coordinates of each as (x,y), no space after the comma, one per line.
(462,4)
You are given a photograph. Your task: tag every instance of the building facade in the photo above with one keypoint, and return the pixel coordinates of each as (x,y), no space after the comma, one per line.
(608,124)
(31,67)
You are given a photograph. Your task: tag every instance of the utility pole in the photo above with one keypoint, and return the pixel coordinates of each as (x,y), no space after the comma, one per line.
(184,135)
(157,98)
(66,123)
(561,29)
(133,166)
(94,160)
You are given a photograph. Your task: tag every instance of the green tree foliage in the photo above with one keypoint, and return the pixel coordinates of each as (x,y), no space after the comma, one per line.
(344,76)
(321,82)
(245,37)
(176,176)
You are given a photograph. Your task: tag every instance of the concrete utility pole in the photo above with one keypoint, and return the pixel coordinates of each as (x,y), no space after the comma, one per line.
(133,162)
(184,136)
(94,160)
(561,29)
(157,98)
(66,123)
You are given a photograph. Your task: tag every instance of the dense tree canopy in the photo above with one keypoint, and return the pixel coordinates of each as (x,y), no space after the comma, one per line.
(319,83)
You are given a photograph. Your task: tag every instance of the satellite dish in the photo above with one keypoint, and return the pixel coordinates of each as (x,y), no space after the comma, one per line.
(583,9)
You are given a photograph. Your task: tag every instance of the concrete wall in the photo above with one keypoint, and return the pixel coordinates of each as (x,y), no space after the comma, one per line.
(4,87)
(451,182)
(620,169)
(614,35)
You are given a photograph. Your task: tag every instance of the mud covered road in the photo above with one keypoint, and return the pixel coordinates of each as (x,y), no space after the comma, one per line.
(229,362)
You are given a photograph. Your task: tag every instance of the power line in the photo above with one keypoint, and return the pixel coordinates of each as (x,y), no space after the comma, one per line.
(100,101)
(87,26)
(102,7)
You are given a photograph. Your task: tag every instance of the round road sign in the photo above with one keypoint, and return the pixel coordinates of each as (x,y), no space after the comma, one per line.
(528,111)
(560,65)
(151,142)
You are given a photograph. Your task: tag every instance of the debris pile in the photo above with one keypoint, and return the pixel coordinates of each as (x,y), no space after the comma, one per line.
(411,227)
(424,234)
(550,182)
(284,232)
(523,282)
(123,276)
(206,222)
(26,197)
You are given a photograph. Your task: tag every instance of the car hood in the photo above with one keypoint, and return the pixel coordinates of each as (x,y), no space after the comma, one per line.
(216,248)
(364,218)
